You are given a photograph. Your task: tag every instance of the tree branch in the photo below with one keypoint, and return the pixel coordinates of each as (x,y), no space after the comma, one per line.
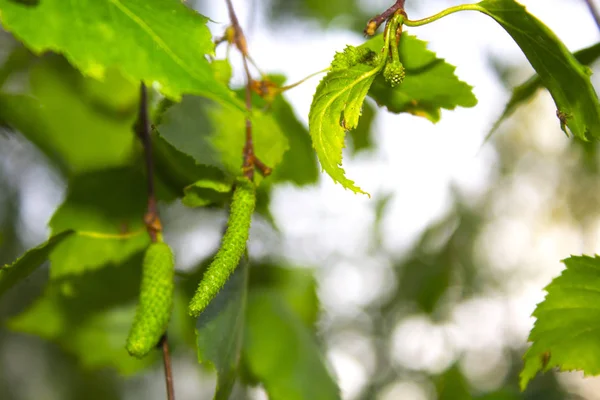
(152,218)
(594,11)
(375,22)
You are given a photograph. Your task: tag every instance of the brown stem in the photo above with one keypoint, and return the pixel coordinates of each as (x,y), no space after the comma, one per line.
(375,22)
(594,11)
(168,368)
(250,160)
(152,218)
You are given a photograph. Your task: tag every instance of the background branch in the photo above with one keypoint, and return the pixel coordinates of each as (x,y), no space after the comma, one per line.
(594,11)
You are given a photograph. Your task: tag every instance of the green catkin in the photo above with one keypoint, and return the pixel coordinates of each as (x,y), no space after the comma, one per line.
(156,300)
(232,247)
(394,72)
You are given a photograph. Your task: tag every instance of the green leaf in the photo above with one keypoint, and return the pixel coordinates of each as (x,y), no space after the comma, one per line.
(97,132)
(361,136)
(299,164)
(567,80)
(214,135)
(175,170)
(205,192)
(89,316)
(149,40)
(335,109)
(565,334)
(106,208)
(452,386)
(219,331)
(429,84)
(11,274)
(525,91)
(281,352)
(296,287)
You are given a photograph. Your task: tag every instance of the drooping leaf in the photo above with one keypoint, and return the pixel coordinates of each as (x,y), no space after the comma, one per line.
(429,83)
(89,316)
(281,352)
(566,79)
(362,136)
(335,109)
(214,134)
(11,274)
(526,90)
(106,208)
(219,331)
(565,332)
(151,41)
(79,123)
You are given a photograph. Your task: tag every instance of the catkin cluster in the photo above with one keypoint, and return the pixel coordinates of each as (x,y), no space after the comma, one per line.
(232,247)
(156,300)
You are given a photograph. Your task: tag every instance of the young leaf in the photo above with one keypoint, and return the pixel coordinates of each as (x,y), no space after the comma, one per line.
(565,332)
(156,300)
(362,135)
(232,247)
(96,134)
(525,91)
(219,331)
(567,80)
(282,353)
(213,134)
(335,109)
(11,274)
(149,40)
(429,83)
(106,208)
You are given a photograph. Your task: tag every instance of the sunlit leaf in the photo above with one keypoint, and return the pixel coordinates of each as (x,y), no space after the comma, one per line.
(11,274)
(79,123)
(148,40)
(524,92)
(429,85)
(362,136)
(568,320)
(566,79)
(214,135)
(335,109)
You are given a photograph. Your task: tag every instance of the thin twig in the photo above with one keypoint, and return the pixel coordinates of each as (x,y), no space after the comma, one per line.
(168,368)
(250,160)
(376,21)
(152,218)
(594,11)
